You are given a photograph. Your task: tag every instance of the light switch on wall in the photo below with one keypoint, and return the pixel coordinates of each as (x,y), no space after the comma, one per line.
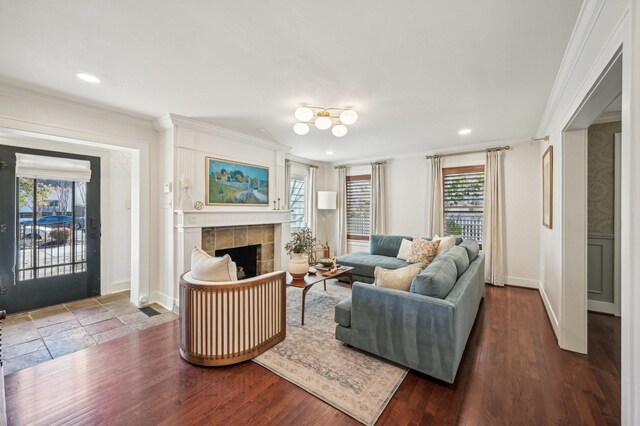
(166,188)
(167,201)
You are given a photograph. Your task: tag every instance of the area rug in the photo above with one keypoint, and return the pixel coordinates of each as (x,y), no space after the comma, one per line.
(354,382)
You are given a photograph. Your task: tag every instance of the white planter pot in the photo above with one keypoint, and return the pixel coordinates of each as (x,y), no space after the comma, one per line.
(298,265)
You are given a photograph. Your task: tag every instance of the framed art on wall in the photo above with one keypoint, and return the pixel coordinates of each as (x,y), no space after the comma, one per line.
(231,183)
(547,187)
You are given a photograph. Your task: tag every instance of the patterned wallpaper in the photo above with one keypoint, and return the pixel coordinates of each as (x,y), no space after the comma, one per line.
(600,177)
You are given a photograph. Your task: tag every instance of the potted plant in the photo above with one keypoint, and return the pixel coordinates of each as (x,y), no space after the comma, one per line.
(300,249)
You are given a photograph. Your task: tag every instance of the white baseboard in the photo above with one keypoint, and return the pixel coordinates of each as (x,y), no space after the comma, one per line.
(163,300)
(602,307)
(120,286)
(522,282)
(553,319)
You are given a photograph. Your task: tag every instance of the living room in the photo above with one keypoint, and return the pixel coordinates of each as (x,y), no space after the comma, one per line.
(182,105)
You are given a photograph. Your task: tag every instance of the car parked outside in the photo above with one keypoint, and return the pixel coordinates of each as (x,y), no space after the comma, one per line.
(54,221)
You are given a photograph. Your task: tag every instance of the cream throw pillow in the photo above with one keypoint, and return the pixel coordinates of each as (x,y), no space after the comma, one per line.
(423,251)
(208,268)
(405,249)
(397,279)
(445,243)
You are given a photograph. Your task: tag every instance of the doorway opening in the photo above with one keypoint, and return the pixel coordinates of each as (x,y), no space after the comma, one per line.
(589,264)
(592,218)
(603,211)
(122,260)
(52,228)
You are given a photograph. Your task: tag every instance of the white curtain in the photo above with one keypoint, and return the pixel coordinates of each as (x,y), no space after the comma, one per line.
(378,199)
(342,211)
(312,205)
(435,208)
(493,232)
(287,185)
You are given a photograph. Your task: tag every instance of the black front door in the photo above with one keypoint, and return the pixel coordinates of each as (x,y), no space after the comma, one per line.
(49,235)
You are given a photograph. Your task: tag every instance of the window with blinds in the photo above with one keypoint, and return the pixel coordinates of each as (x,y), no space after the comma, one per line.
(358,207)
(297,203)
(463,196)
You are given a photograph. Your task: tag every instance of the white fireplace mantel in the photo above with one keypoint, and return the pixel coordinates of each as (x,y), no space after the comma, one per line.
(189,225)
(216,218)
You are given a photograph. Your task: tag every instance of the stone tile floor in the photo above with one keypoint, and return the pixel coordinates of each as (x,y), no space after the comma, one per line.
(30,338)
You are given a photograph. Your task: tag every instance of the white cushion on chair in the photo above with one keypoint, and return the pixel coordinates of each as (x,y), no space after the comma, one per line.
(208,268)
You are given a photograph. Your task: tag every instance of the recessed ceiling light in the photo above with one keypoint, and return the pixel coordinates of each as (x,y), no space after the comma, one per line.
(329,152)
(464,131)
(88,78)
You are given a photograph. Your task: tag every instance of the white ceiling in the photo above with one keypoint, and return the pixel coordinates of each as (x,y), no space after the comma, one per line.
(416,72)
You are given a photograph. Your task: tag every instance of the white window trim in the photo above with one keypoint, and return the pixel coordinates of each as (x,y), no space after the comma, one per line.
(302,173)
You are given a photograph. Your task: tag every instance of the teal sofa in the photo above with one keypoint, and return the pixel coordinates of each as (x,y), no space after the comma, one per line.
(426,328)
(383,250)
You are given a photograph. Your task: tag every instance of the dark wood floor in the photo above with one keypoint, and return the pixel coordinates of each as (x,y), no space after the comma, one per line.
(512,372)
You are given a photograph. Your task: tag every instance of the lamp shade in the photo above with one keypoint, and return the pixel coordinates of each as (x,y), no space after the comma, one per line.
(326,200)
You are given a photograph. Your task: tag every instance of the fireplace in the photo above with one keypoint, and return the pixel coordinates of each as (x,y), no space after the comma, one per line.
(247,259)
(215,230)
(250,246)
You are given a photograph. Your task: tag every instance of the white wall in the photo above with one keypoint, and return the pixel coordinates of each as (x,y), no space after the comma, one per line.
(599,33)
(327,219)
(185,144)
(115,178)
(603,28)
(407,204)
(31,114)
(119,211)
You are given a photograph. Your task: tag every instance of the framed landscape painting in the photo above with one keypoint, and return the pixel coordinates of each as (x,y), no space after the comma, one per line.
(547,188)
(233,183)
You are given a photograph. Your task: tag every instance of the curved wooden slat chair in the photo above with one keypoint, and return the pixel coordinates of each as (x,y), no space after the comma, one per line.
(224,323)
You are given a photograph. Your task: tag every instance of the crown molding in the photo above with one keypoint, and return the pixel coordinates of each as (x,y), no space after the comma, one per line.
(459,149)
(303,160)
(585,23)
(163,123)
(608,117)
(130,119)
(174,120)
(420,154)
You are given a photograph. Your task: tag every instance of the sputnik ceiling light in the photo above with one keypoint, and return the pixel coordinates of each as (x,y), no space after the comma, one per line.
(324,119)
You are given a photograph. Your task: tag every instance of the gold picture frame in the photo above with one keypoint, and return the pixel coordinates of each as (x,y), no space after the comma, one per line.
(232,183)
(547,188)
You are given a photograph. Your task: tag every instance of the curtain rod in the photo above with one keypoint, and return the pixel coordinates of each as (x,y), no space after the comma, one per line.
(497,148)
(300,162)
(344,166)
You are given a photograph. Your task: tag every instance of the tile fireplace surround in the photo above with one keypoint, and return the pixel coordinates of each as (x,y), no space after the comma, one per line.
(242,236)
(192,228)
